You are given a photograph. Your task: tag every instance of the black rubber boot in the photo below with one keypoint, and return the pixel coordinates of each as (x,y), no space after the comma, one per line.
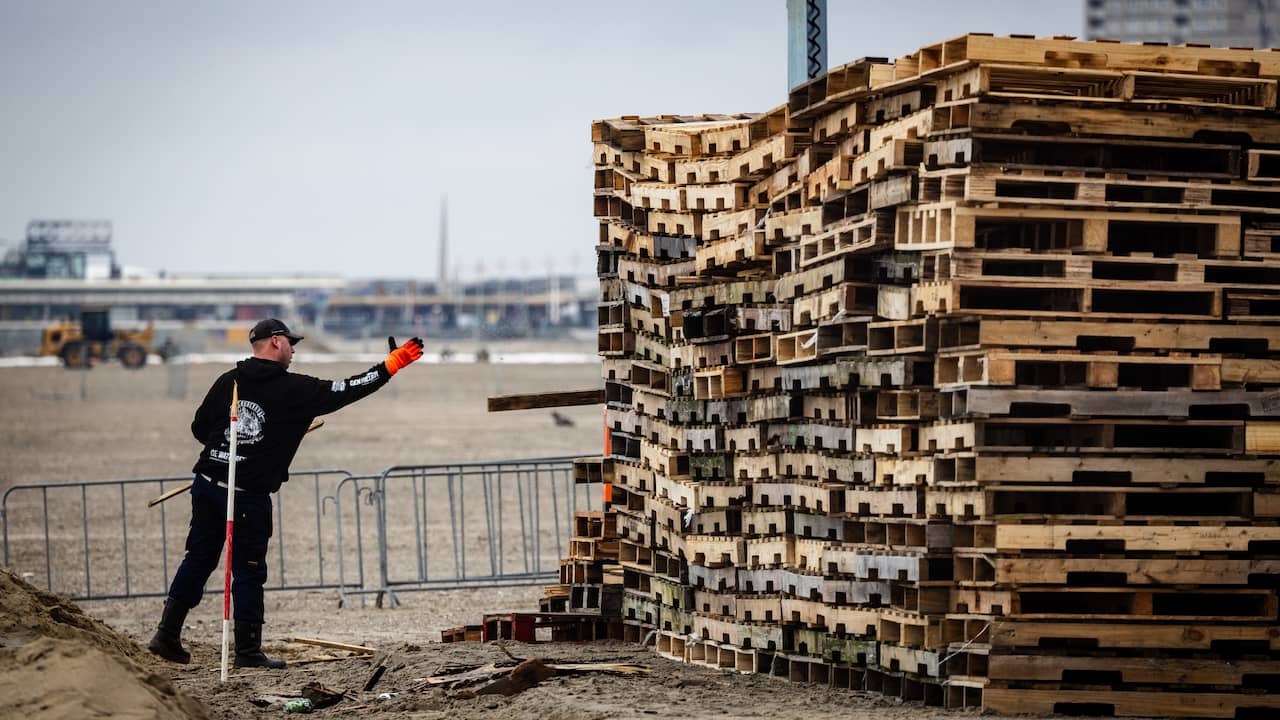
(249,648)
(167,642)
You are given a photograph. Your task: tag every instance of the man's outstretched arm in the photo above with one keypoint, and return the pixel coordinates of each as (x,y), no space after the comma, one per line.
(327,396)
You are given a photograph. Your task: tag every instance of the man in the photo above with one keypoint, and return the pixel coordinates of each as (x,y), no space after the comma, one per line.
(274,411)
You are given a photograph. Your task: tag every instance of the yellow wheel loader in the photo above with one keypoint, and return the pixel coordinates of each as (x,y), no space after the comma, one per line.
(91,339)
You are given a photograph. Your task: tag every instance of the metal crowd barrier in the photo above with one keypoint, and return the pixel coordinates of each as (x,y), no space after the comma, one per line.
(104,529)
(479,524)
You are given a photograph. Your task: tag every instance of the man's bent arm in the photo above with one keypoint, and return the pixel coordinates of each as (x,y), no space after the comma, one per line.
(213,410)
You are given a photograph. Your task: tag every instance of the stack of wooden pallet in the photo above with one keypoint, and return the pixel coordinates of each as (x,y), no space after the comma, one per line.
(590,578)
(956,378)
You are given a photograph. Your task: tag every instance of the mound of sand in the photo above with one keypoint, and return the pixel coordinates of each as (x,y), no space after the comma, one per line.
(58,663)
(49,679)
(27,613)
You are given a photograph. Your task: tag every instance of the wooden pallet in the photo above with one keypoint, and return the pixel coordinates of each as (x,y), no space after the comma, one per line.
(1133,703)
(973,333)
(1052,369)
(559,627)
(1156,403)
(1106,87)
(1133,538)
(462,633)
(945,225)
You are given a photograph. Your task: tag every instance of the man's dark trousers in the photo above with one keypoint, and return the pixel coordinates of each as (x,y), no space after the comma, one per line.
(251,534)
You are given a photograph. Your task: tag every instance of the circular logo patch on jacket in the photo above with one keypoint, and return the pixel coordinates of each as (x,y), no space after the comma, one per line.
(250,422)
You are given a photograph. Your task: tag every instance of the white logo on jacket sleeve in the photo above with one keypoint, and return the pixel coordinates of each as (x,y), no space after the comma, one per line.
(364,379)
(338,386)
(250,422)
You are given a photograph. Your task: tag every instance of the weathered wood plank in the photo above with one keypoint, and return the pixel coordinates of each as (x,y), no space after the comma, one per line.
(318,642)
(561,398)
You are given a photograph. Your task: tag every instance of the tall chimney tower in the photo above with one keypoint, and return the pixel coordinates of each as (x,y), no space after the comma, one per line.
(806,40)
(443,267)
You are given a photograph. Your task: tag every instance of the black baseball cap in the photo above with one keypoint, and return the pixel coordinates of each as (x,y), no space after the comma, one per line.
(270,327)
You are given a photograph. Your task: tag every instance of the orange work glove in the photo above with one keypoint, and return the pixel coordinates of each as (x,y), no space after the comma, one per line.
(403,355)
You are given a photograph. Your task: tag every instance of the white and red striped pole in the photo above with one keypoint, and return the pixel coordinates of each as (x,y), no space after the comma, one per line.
(231,515)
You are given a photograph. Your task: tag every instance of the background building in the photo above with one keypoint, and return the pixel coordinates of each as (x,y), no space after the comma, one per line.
(1221,23)
(64,266)
(63,249)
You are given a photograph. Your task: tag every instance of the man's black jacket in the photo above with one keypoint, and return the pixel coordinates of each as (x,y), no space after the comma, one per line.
(276,408)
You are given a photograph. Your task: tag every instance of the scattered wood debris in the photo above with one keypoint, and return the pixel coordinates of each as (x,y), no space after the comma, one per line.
(321,696)
(358,649)
(527,674)
(378,672)
(509,678)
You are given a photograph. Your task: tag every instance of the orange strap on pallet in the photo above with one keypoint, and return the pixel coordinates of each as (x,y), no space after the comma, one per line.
(607,493)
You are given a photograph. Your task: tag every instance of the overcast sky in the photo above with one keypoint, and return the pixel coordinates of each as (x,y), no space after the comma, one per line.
(317,136)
